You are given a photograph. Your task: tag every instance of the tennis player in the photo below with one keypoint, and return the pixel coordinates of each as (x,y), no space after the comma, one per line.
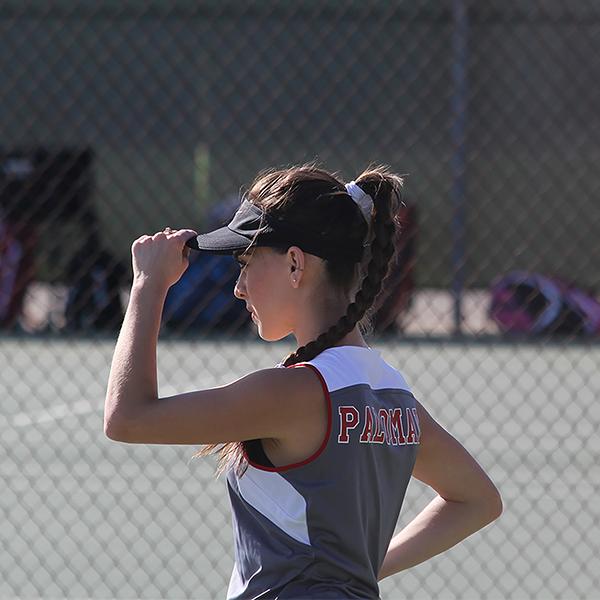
(319,449)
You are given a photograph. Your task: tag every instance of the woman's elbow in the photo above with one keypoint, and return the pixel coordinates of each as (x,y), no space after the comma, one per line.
(493,505)
(113,430)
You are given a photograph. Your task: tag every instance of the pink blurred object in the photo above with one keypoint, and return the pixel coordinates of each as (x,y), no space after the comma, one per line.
(526,302)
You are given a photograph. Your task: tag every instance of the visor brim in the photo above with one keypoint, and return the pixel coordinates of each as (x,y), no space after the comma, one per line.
(219,241)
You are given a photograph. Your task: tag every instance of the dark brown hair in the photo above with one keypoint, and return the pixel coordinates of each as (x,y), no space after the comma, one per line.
(310,198)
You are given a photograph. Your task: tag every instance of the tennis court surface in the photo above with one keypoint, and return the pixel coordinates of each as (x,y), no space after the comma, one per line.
(86,517)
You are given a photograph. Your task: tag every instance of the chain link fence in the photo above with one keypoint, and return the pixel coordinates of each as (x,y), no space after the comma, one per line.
(120,117)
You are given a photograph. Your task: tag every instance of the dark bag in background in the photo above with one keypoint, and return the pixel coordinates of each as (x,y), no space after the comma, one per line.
(94,295)
(43,185)
(398,289)
(39,187)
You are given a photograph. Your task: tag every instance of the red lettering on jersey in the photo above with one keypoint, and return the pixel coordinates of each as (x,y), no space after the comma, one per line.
(379,436)
(384,419)
(396,427)
(367,433)
(417,425)
(411,436)
(348,420)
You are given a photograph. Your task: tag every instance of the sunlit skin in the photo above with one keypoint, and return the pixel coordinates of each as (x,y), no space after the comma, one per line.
(289,294)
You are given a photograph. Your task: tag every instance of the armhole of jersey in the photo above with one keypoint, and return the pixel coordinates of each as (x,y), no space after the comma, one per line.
(323,445)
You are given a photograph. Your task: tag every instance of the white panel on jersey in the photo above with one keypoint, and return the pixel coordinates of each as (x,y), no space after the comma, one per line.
(340,371)
(275,498)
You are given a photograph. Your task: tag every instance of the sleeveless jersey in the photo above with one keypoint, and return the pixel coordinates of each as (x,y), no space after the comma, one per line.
(320,528)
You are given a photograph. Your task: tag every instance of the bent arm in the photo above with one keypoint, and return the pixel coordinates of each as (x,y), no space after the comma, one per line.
(467,500)
(439,526)
(250,407)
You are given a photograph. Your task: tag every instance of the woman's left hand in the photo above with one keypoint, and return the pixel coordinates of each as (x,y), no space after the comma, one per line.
(161,259)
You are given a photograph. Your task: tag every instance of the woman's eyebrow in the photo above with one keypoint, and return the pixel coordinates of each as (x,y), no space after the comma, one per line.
(237,254)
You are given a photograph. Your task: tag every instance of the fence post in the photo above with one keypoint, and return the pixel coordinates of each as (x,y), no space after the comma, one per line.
(459,117)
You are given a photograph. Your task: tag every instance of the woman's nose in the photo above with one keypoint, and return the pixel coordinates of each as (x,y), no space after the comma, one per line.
(237,289)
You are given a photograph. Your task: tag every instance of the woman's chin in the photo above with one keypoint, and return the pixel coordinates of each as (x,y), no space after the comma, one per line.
(269,336)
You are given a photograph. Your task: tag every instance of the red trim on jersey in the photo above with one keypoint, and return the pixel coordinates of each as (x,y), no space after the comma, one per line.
(315,454)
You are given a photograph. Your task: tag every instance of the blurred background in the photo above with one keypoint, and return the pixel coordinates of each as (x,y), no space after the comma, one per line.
(120,117)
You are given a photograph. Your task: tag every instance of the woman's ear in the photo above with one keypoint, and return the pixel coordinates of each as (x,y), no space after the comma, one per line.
(296,264)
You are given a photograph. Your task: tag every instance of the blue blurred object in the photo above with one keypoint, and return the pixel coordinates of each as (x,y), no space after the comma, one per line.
(203,298)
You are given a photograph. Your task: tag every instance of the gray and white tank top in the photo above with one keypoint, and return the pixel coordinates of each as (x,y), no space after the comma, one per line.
(320,528)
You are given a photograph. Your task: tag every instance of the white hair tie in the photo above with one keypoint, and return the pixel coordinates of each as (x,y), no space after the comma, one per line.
(365,203)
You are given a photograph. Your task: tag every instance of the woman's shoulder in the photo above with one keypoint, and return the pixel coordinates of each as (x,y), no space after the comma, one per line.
(345,366)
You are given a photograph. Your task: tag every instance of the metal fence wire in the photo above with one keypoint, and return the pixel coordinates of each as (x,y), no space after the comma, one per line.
(120,117)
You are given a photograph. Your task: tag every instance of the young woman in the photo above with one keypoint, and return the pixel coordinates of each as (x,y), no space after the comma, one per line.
(318,450)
